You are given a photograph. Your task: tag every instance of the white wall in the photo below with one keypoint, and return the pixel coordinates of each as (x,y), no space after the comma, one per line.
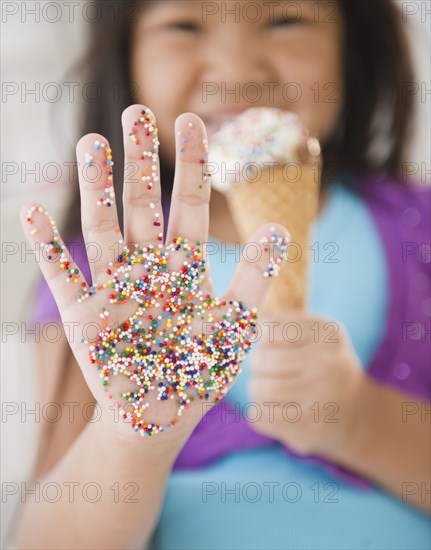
(32,52)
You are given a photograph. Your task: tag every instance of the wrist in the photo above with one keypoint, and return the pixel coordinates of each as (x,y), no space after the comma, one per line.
(116,438)
(356,439)
(348,436)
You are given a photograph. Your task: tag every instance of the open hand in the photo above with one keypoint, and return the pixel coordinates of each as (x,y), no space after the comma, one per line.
(151,300)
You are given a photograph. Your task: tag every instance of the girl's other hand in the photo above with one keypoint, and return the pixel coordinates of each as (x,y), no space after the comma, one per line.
(307,368)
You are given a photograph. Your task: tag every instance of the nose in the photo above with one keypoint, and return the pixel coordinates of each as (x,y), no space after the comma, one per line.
(234,60)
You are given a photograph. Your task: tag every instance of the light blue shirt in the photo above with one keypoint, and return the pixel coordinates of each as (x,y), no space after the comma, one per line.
(263,498)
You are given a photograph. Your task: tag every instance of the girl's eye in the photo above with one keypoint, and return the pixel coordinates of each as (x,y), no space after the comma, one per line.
(184,26)
(283,22)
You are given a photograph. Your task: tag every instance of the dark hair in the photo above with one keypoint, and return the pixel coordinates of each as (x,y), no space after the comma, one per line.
(107,63)
(376,112)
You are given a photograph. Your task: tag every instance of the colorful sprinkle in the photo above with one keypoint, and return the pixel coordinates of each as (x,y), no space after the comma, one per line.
(107,196)
(279,243)
(202,143)
(146,119)
(164,353)
(180,341)
(54,247)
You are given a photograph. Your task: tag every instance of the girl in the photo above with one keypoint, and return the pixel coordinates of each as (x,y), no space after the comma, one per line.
(350,468)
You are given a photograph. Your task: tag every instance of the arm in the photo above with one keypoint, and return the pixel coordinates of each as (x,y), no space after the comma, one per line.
(390,442)
(149,359)
(115,468)
(345,416)
(130,479)
(60,380)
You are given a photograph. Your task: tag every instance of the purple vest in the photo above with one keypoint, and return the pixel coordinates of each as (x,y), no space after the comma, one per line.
(402,217)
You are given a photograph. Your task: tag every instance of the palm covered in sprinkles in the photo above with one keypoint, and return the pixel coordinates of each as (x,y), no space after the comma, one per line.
(161,327)
(163,354)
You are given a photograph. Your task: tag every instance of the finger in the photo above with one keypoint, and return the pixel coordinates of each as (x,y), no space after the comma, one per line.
(277,363)
(271,389)
(142,192)
(261,260)
(297,329)
(98,209)
(60,271)
(189,215)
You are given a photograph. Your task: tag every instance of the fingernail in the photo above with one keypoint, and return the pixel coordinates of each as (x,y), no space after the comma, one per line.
(192,143)
(276,244)
(94,163)
(50,243)
(147,120)
(52,247)
(145,130)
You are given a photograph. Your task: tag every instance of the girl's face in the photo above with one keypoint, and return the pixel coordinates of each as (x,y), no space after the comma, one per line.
(217,59)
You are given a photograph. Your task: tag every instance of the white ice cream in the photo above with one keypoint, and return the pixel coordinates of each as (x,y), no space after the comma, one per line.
(257,139)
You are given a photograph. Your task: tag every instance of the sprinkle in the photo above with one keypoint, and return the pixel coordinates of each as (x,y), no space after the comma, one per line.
(163,344)
(157,347)
(88,159)
(202,145)
(278,247)
(150,174)
(259,137)
(107,197)
(54,247)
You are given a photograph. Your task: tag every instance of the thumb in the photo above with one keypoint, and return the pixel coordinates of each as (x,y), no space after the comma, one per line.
(261,260)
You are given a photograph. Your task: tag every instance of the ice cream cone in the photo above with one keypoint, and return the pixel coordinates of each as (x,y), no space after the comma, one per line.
(276,197)
(284,189)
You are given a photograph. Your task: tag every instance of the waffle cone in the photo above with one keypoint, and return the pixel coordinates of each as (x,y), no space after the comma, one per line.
(276,197)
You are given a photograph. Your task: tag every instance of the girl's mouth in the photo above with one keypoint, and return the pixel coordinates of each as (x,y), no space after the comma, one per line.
(214,122)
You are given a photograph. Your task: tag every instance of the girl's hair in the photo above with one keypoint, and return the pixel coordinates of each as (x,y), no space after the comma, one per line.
(373,129)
